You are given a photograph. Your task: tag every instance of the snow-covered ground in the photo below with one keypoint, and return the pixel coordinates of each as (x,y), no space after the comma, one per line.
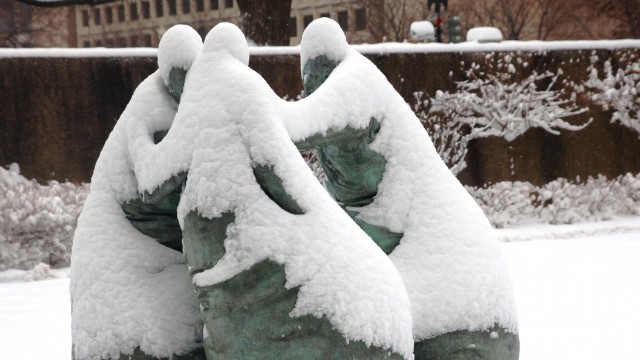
(577,289)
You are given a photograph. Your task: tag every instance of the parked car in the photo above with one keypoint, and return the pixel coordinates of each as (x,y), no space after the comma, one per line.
(422,31)
(484,34)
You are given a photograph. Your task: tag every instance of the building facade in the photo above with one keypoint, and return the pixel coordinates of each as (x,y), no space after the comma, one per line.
(133,23)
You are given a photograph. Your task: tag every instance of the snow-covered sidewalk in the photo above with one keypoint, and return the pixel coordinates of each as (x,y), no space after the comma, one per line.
(577,289)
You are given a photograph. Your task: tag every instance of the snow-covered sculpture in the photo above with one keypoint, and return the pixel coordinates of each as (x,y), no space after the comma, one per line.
(383,169)
(131,295)
(281,272)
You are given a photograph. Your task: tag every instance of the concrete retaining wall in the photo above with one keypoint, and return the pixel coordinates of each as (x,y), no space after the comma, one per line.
(57,112)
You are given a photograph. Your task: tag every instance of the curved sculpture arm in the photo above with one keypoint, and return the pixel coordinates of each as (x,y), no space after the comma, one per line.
(349,97)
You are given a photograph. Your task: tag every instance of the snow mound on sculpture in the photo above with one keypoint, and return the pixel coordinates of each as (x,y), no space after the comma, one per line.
(127,290)
(177,48)
(325,41)
(227,114)
(449,258)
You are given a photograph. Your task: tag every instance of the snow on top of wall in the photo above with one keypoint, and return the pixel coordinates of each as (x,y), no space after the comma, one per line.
(179,47)
(127,289)
(77,53)
(382,48)
(226,124)
(449,257)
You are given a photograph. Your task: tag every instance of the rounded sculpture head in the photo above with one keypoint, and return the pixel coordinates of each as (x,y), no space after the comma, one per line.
(228,37)
(323,37)
(178,48)
(323,46)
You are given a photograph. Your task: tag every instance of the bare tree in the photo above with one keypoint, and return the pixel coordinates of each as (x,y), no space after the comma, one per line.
(266,22)
(622,15)
(514,15)
(550,16)
(20,24)
(390,20)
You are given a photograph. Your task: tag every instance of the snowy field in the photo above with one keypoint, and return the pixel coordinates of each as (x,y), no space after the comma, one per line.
(577,288)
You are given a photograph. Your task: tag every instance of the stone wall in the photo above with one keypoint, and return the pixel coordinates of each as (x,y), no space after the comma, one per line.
(57,113)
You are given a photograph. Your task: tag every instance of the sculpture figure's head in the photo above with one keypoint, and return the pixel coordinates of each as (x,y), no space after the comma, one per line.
(323,47)
(229,38)
(178,48)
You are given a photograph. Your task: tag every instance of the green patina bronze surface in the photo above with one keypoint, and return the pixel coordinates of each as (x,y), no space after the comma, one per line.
(353,170)
(196,354)
(315,72)
(272,185)
(494,344)
(247,316)
(154,214)
(353,173)
(177,77)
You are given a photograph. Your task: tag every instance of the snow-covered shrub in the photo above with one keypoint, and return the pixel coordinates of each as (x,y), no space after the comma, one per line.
(36,221)
(497,103)
(618,89)
(309,156)
(312,160)
(561,201)
(505,203)
(496,100)
(448,135)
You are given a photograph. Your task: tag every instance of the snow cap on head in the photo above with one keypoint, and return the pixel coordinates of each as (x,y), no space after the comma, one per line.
(323,37)
(228,37)
(178,48)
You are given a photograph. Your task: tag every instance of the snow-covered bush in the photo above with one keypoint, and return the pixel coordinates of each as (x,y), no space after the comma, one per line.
(505,203)
(36,221)
(313,162)
(559,202)
(618,89)
(496,100)
(448,135)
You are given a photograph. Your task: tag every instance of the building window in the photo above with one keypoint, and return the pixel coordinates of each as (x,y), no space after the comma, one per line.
(327,15)
(86,43)
(109,14)
(159,8)
(109,43)
(199,5)
(121,13)
(293,27)
(214,5)
(147,40)
(134,41)
(146,9)
(228,3)
(96,16)
(343,20)
(98,43)
(186,6)
(133,9)
(172,7)
(361,19)
(85,18)
(122,42)
(307,19)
